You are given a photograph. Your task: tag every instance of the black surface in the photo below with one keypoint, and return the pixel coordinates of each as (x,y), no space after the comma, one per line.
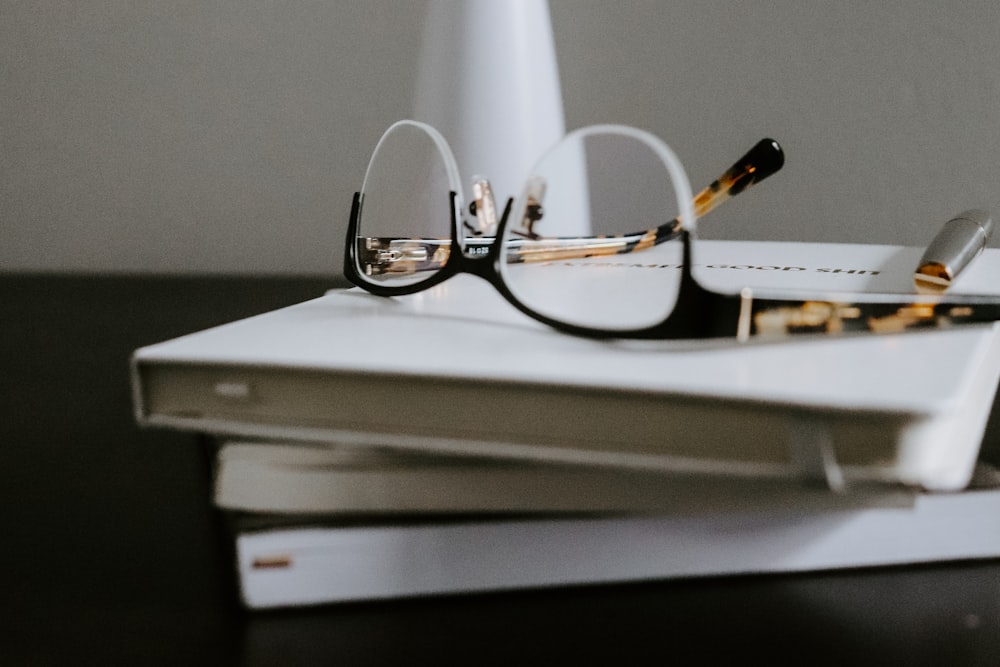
(111,554)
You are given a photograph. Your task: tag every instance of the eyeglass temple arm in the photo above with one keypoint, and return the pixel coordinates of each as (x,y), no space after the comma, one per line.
(877,313)
(390,254)
(704,313)
(761,161)
(747,316)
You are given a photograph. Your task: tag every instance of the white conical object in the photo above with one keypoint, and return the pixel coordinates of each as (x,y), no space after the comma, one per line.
(489,82)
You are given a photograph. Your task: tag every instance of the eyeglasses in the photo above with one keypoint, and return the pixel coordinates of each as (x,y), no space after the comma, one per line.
(555,252)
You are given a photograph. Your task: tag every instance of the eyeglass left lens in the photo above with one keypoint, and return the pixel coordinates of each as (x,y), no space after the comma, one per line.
(404,223)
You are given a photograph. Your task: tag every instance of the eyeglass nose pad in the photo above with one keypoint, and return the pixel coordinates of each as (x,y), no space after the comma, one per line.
(534,211)
(484,207)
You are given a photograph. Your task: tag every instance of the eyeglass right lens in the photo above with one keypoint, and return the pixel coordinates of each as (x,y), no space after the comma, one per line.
(404,225)
(593,240)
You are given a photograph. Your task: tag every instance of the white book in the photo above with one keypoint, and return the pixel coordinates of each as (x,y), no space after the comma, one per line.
(308,480)
(316,564)
(458,370)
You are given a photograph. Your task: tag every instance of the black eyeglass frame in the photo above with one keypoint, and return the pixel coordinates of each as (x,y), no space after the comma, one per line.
(695,313)
(700,313)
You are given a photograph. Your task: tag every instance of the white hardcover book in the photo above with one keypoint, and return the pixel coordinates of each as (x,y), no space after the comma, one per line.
(458,370)
(306,565)
(309,480)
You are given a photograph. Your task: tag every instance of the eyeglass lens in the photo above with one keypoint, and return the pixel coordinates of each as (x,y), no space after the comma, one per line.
(579,247)
(610,190)
(404,225)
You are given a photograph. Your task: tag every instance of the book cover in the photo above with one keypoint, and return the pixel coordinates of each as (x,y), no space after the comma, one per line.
(293,562)
(457,370)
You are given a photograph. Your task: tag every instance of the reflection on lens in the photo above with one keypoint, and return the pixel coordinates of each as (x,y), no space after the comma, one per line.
(585,244)
(405,218)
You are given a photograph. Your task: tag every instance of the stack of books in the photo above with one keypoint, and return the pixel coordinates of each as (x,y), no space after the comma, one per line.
(443,443)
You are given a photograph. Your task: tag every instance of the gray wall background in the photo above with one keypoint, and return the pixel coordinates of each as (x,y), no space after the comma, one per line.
(229,136)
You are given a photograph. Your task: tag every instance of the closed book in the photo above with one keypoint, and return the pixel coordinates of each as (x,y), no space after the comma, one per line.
(457,370)
(291,561)
(305,480)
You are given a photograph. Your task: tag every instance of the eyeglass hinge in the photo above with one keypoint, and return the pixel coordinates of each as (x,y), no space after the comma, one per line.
(377,258)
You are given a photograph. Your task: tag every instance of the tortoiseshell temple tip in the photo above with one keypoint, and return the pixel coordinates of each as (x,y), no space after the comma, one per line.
(764,159)
(767,157)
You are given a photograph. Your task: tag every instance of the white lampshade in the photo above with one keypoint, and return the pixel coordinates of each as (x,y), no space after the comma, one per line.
(489,82)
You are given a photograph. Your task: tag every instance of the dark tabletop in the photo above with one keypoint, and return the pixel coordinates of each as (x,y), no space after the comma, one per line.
(112,555)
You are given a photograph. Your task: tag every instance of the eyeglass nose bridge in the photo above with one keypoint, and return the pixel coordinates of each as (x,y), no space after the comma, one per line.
(478,254)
